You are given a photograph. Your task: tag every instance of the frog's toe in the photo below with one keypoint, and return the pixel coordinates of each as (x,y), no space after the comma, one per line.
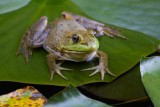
(99,69)
(57,69)
(62,68)
(109,72)
(92,68)
(113,33)
(25,51)
(60,74)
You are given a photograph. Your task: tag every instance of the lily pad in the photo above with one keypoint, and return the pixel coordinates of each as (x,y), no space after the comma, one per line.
(7,5)
(139,15)
(123,54)
(25,97)
(150,72)
(71,97)
(128,87)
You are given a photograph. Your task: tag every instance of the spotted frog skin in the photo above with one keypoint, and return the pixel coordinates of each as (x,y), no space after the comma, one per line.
(72,38)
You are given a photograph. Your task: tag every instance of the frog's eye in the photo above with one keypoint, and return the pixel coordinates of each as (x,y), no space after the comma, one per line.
(75,38)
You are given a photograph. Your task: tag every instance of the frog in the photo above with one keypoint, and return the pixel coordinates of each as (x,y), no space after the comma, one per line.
(71,37)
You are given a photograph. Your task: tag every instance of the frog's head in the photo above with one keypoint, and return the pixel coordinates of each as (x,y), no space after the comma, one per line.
(80,42)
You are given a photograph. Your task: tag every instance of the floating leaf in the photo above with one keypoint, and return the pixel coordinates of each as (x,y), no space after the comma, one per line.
(123,54)
(139,15)
(71,97)
(8,5)
(150,72)
(26,97)
(127,87)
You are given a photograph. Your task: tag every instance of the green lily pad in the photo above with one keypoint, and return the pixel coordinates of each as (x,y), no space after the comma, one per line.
(71,97)
(8,5)
(123,54)
(128,87)
(150,72)
(139,15)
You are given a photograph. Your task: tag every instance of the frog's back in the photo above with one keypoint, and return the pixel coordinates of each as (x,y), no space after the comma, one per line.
(58,30)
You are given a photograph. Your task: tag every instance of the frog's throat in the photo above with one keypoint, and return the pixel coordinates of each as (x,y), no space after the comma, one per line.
(80,56)
(79,48)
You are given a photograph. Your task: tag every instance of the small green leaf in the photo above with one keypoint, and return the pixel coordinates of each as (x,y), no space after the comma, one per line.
(71,97)
(26,97)
(150,72)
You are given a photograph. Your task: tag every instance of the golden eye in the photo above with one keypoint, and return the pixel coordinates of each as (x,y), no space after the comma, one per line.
(75,38)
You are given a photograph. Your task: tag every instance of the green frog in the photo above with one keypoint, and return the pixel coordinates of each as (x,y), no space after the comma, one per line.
(72,38)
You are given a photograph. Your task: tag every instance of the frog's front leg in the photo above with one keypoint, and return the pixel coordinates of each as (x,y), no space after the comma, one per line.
(55,68)
(34,37)
(102,67)
(99,28)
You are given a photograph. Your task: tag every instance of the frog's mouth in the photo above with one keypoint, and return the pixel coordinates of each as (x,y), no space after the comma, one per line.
(77,48)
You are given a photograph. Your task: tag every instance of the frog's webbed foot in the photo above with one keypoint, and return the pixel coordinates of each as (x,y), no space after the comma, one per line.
(55,68)
(111,32)
(99,28)
(33,38)
(102,67)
